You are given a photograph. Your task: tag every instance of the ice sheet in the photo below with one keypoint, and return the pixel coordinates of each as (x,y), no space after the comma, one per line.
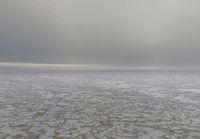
(99,104)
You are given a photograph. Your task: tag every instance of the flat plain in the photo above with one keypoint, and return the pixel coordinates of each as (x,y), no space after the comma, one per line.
(48,103)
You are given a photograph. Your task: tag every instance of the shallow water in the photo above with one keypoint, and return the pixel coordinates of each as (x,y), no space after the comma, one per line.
(42,103)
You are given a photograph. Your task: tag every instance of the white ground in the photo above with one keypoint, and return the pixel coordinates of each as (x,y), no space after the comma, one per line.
(104,104)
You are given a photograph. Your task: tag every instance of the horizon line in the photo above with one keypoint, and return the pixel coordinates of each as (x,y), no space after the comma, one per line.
(24,64)
(93,66)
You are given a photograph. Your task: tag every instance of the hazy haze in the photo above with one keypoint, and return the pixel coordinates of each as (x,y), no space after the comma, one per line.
(109,32)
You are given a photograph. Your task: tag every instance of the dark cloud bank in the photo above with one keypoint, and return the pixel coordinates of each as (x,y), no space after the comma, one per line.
(108,32)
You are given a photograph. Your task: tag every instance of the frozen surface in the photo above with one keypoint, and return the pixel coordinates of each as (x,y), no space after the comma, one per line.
(39,103)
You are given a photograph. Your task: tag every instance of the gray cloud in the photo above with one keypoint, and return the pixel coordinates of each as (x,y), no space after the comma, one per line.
(113,32)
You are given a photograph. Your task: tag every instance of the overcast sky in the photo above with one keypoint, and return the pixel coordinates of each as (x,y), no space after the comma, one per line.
(108,32)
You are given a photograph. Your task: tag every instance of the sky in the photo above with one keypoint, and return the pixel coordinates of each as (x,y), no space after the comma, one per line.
(101,32)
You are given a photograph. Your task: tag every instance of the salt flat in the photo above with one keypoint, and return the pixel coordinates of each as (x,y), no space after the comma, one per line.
(48,103)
